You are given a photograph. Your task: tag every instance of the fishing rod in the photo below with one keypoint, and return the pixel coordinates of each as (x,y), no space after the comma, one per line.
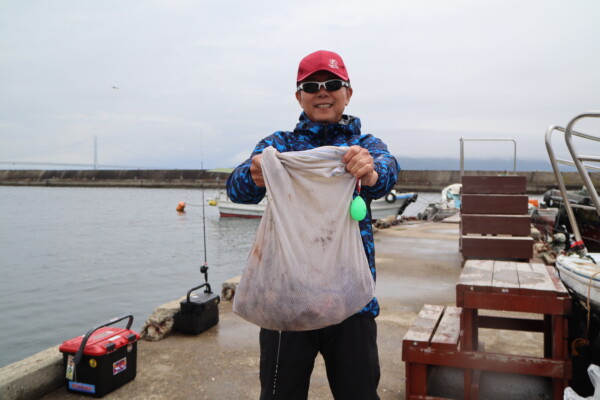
(204,268)
(199,312)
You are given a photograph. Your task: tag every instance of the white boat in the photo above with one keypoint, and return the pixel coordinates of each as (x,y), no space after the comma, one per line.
(581,274)
(451,196)
(228,208)
(448,206)
(393,204)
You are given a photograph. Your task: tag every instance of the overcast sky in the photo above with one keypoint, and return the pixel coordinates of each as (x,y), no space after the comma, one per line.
(171,84)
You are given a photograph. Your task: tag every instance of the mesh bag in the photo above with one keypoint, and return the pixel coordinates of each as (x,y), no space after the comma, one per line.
(307,268)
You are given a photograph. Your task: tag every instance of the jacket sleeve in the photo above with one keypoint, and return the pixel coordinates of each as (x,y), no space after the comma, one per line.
(240,185)
(386,165)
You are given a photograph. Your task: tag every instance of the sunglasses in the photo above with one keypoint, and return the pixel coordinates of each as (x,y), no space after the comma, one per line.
(332,85)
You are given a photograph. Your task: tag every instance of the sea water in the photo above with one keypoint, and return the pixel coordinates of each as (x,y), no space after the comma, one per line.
(72,258)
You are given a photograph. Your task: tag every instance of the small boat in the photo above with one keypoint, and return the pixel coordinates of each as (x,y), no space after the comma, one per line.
(228,208)
(581,274)
(392,204)
(448,205)
(451,195)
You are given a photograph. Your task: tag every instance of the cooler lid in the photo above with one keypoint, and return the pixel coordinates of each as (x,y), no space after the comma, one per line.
(202,298)
(102,341)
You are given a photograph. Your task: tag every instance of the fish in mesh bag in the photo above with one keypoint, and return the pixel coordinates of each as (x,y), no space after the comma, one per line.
(307,267)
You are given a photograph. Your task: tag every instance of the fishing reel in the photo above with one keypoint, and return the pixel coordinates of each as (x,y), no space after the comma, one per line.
(204,270)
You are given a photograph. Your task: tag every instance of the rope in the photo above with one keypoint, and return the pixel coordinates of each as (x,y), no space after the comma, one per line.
(589,309)
(579,342)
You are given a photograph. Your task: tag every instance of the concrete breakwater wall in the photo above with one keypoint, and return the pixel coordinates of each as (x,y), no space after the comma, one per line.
(408,180)
(146,178)
(537,181)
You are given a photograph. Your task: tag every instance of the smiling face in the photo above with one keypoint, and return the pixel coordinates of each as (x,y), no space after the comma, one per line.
(323,106)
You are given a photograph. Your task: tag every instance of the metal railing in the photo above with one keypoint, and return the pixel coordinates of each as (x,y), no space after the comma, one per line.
(577,161)
(462,151)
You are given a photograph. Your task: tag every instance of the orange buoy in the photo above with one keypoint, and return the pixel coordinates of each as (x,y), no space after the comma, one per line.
(181,206)
(534,202)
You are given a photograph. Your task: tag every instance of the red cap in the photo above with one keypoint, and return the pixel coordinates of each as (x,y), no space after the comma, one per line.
(322,60)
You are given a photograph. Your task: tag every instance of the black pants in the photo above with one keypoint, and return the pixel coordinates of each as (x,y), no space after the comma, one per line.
(349,350)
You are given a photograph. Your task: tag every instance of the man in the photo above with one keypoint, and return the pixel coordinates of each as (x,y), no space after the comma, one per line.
(349,348)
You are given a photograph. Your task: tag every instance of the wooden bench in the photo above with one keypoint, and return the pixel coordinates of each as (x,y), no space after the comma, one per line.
(433,340)
(436,327)
(494,219)
(523,287)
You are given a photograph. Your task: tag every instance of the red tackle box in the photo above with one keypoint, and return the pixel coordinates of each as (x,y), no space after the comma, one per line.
(101,361)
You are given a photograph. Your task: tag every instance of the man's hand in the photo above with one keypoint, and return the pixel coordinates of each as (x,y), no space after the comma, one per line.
(360,164)
(256,171)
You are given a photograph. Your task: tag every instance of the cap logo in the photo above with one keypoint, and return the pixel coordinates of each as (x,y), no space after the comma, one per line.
(333,63)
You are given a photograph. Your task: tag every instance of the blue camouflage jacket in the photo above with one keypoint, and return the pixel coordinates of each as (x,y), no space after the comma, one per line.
(309,135)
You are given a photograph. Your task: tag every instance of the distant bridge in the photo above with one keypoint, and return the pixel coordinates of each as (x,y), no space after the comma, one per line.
(93,165)
(72,165)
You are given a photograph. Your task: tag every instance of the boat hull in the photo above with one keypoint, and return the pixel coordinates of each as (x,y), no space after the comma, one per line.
(231,209)
(579,275)
(380,208)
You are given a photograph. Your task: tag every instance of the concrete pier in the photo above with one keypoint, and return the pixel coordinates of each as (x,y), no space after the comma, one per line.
(417,263)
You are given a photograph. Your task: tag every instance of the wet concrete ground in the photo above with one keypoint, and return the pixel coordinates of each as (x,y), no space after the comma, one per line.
(416,264)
